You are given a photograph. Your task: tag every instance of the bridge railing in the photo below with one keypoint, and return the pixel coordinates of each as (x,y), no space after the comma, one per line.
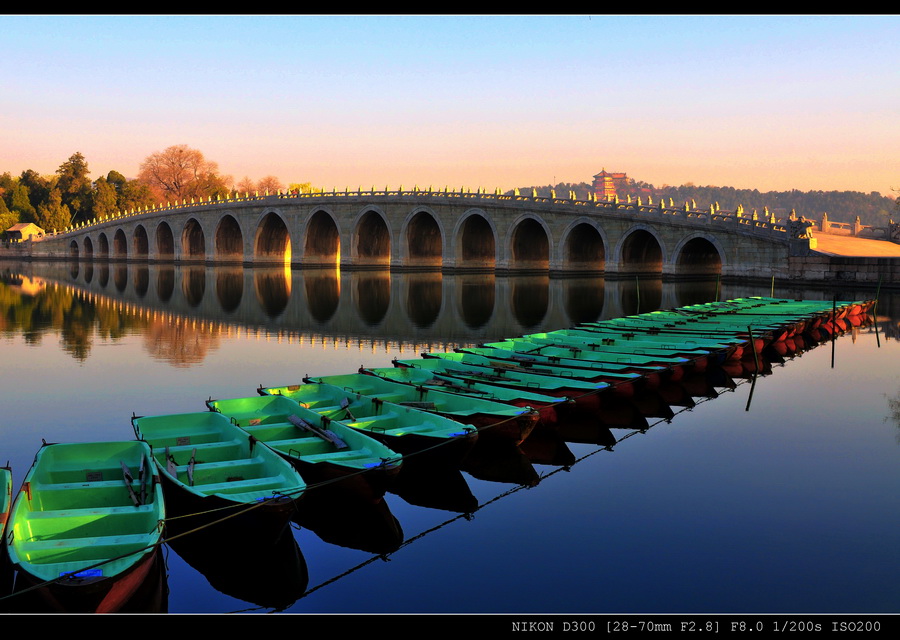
(766,225)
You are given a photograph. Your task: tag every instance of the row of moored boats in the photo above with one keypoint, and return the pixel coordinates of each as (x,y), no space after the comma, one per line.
(88,521)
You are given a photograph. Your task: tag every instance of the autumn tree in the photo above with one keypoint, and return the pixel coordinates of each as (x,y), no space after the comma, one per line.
(246,185)
(180,172)
(303,187)
(270,184)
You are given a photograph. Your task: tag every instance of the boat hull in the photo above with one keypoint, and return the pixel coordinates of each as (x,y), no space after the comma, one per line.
(90,595)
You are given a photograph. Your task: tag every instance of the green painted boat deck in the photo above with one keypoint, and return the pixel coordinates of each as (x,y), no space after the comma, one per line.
(225,462)
(74,510)
(267,418)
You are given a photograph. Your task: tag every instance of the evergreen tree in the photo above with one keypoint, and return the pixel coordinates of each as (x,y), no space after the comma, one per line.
(104,199)
(20,203)
(53,215)
(37,187)
(7,218)
(75,186)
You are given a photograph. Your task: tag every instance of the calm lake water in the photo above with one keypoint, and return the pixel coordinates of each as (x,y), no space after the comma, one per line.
(790,506)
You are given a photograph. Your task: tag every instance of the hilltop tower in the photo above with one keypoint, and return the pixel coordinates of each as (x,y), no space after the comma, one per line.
(607,185)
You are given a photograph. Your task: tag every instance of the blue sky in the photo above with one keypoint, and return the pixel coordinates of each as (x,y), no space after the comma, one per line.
(774,102)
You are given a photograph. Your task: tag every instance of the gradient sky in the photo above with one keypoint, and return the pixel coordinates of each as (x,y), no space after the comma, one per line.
(772,103)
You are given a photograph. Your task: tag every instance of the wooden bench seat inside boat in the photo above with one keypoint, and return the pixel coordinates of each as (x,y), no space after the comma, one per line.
(64,495)
(238,487)
(211,452)
(78,550)
(63,523)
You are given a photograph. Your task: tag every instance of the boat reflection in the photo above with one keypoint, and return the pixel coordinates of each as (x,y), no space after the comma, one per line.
(271,575)
(431,483)
(343,520)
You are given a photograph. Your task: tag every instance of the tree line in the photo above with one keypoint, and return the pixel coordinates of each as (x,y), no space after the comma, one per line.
(841,206)
(70,196)
(178,173)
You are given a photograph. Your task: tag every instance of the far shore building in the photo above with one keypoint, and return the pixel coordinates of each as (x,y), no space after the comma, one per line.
(607,185)
(23,231)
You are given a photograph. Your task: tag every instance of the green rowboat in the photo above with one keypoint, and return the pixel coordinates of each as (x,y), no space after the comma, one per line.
(321,450)
(219,475)
(86,524)
(496,419)
(404,429)
(547,405)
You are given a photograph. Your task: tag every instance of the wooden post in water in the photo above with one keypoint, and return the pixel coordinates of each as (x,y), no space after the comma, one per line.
(752,388)
(772,294)
(834,326)
(755,373)
(718,276)
(753,346)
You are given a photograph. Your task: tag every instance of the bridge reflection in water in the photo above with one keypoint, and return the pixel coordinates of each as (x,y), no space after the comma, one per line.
(427,309)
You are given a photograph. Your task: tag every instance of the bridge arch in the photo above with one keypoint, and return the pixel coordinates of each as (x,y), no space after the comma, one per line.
(73,249)
(475,241)
(372,237)
(322,238)
(422,239)
(529,243)
(193,241)
(88,248)
(583,246)
(272,243)
(641,250)
(165,242)
(102,246)
(229,240)
(120,245)
(699,255)
(140,243)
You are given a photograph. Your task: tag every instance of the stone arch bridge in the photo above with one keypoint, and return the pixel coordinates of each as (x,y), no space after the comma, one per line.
(428,230)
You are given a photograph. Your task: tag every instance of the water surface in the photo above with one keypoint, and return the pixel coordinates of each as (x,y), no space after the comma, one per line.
(790,506)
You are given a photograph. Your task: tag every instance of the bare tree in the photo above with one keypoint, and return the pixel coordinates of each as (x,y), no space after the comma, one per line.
(246,185)
(180,172)
(270,184)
